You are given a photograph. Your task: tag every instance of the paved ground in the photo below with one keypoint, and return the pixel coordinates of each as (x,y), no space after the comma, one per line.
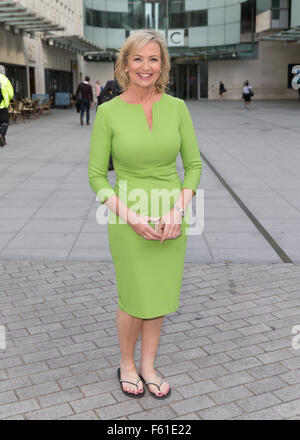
(47,208)
(227,352)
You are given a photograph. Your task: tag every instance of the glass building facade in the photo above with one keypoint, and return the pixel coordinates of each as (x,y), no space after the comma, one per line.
(195,31)
(204,23)
(279,12)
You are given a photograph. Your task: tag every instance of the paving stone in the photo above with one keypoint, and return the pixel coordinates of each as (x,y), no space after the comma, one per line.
(276,355)
(179,367)
(7,397)
(207,373)
(264,414)
(50,375)
(180,379)
(99,387)
(190,416)
(219,347)
(182,355)
(267,384)
(14,409)
(37,390)
(258,402)
(118,410)
(240,353)
(289,409)
(230,394)
(232,325)
(192,404)
(292,377)
(88,415)
(13,384)
(242,364)
(252,329)
(291,392)
(267,370)
(212,360)
(24,370)
(95,402)
(231,380)
(78,381)
(197,389)
(10,362)
(53,413)
(60,397)
(221,412)
(40,356)
(251,340)
(88,366)
(65,361)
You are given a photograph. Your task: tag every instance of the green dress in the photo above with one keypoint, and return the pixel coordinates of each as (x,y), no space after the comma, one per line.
(148,273)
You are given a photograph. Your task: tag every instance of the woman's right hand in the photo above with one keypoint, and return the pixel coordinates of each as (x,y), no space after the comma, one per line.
(139,224)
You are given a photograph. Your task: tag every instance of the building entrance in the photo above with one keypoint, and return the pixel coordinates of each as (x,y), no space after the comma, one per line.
(32,80)
(189,81)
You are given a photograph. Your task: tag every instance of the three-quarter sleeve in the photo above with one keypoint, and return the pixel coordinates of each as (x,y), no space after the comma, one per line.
(189,150)
(100,150)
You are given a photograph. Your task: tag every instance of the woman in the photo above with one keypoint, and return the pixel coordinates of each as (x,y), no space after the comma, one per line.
(247,93)
(222,90)
(144,129)
(98,90)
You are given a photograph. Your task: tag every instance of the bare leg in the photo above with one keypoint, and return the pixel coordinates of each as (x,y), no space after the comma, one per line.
(151,329)
(128,332)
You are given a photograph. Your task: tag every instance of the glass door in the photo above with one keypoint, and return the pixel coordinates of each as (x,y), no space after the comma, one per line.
(184,81)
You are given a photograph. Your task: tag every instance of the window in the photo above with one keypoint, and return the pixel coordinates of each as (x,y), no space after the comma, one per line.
(248,12)
(197,18)
(177,15)
(275,9)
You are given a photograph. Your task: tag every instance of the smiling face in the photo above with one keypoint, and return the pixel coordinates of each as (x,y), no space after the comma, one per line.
(144,65)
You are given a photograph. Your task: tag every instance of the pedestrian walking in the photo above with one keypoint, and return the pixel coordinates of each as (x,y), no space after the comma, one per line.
(98,91)
(222,90)
(85,91)
(110,91)
(247,93)
(6,95)
(144,128)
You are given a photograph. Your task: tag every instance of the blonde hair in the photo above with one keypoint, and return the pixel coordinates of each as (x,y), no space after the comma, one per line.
(136,41)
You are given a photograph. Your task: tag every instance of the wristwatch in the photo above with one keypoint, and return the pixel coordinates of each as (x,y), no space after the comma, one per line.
(180,210)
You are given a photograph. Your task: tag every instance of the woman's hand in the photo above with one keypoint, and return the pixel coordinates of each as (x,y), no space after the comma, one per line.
(172,221)
(139,224)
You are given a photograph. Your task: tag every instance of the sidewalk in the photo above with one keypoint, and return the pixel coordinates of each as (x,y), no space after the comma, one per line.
(227,352)
(47,208)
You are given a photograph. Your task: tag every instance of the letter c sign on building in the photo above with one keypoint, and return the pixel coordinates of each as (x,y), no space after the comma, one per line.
(175,37)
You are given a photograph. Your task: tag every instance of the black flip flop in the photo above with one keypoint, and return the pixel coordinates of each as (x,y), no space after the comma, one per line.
(136,396)
(164,396)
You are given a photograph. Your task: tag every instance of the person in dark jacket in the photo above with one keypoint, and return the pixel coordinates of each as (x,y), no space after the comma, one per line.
(85,94)
(222,90)
(110,91)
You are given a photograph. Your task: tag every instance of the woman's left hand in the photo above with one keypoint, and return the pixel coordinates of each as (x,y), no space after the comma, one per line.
(171,221)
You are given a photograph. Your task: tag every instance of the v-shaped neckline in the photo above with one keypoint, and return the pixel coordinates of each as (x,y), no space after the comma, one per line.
(145,117)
